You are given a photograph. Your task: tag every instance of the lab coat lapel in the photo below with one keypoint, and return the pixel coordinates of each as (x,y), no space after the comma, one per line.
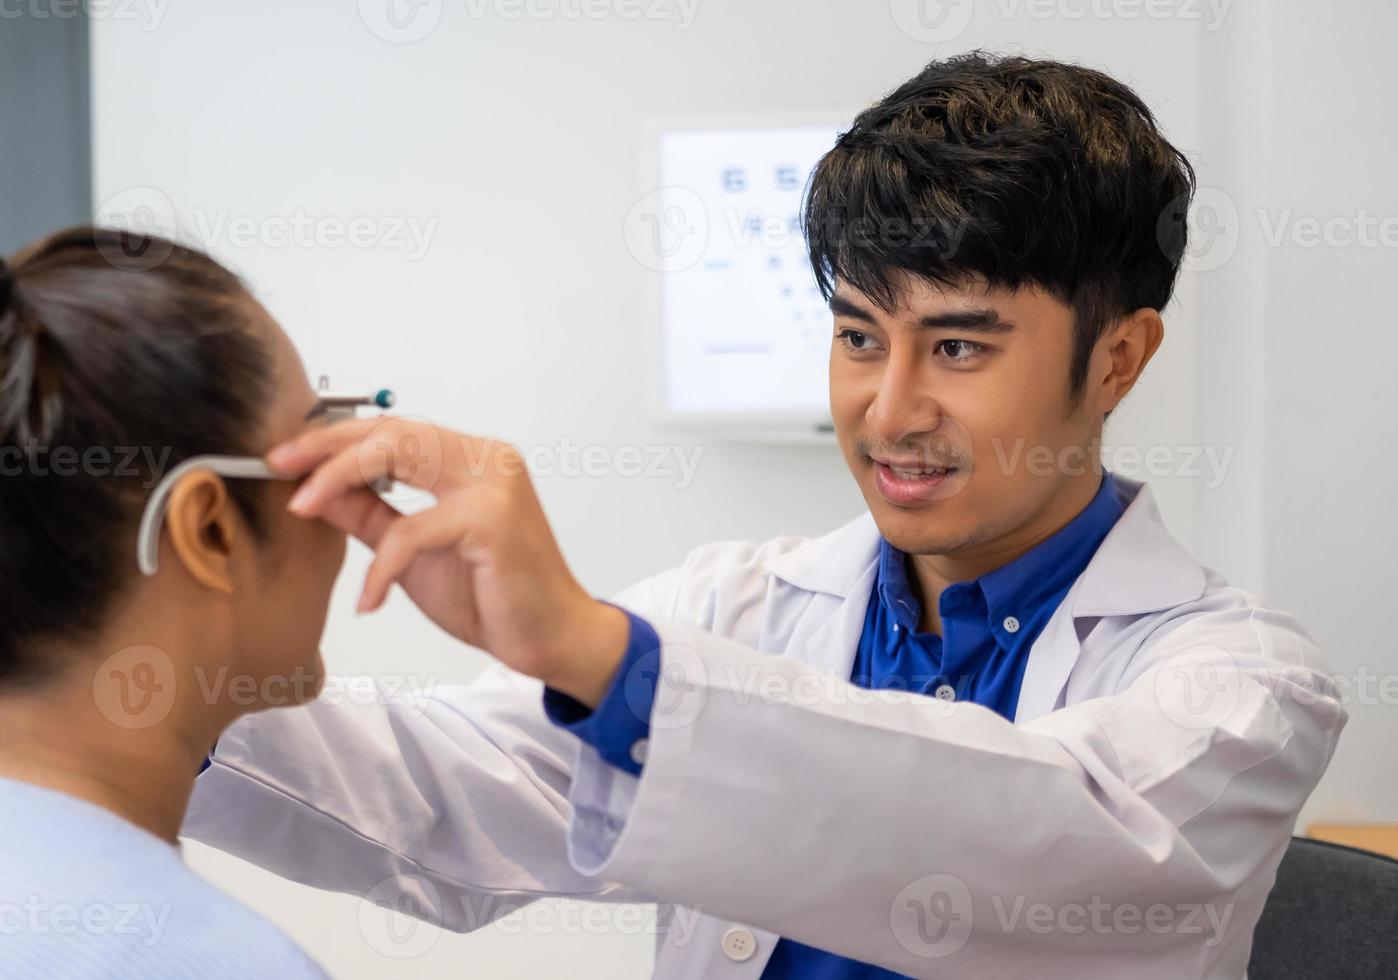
(839,569)
(832,644)
(1139,568)
(1051,660)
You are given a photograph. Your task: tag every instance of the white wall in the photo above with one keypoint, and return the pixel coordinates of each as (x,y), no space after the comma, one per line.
(517,138)
(1330,355)
(1296,348)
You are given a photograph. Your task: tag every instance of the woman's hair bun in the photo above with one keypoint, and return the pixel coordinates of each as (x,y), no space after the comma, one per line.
(109,375)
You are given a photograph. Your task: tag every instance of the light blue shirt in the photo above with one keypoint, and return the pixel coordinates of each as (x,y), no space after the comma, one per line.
(85,894)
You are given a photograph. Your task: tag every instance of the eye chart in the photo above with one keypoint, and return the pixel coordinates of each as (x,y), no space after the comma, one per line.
(744,333)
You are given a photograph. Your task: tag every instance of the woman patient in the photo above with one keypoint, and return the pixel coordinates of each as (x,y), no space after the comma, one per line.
(121,356)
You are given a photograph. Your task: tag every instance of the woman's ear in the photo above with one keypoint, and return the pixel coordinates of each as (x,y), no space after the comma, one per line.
(1125,351)
(202,529)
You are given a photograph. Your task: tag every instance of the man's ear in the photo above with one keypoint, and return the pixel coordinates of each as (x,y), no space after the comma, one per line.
(1122,354)
(202,529)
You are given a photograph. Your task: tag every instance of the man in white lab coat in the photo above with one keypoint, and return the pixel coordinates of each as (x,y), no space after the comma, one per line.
(1002,724)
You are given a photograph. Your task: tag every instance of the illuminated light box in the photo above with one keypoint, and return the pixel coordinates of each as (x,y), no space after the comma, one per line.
(739,336)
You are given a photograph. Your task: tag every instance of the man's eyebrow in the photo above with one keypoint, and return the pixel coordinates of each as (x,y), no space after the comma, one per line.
(843,307)
(974,321)
(977,320)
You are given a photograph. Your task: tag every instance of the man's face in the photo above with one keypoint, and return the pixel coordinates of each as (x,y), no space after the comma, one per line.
(953,413)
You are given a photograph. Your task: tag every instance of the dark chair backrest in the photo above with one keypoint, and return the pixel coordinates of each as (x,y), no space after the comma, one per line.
(1332,915)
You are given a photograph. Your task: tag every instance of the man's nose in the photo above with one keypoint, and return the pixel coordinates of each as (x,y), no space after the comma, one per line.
(904,404)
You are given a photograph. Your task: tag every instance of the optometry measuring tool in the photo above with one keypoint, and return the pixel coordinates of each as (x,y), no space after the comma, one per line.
(337,407)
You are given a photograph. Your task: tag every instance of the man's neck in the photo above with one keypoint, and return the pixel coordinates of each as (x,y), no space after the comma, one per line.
(930,575)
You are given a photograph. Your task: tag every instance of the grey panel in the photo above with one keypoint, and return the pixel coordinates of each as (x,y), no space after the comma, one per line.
(45,121)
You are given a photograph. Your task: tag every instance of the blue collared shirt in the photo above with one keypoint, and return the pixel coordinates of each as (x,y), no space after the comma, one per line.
(989,625)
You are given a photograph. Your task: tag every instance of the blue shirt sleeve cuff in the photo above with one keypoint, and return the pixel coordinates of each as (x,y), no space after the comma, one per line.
(622,718)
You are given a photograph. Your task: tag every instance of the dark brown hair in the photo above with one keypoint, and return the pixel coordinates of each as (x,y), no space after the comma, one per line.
(120,356)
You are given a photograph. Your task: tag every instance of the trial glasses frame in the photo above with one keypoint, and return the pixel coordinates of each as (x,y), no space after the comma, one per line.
(337,408)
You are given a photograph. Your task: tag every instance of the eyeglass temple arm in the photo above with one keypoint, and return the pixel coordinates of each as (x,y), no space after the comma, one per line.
(153,518)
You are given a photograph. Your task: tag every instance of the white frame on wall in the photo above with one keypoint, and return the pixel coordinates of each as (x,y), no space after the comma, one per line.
(796,427)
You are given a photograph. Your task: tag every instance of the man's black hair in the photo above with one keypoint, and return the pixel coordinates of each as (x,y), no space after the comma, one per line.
(1012,171)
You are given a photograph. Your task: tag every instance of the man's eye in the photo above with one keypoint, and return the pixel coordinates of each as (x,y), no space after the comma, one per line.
(854,339)
(960,350)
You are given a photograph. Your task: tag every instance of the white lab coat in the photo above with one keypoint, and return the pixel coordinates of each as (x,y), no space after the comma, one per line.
(1127,824)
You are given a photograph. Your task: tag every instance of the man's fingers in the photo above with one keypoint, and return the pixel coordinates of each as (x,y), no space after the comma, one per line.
(403,449)
(404,540)
(300,455)
(361,513)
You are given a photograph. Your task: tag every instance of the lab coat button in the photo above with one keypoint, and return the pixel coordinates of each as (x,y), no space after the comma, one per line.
(739,944)
(1011,624)
(946,692)
(638,751)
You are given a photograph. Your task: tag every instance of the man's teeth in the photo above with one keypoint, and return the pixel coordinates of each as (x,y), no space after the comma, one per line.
(917,474)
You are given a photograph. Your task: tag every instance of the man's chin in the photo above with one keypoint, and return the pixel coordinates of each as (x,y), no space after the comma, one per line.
(936,529)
